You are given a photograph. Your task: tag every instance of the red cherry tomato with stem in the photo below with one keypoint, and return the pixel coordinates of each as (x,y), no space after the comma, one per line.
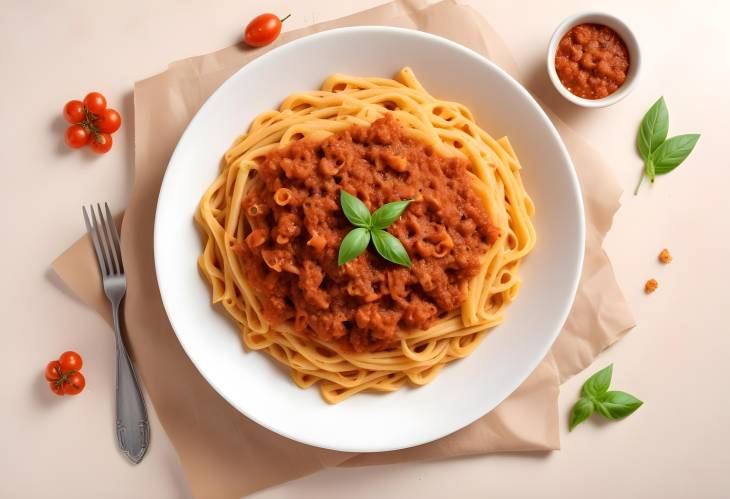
(70,361)
(92,123)
(53,371)
(95,102)
(73,111)
(74,384)
(263,29)
(109,121)
(101,143)
(76,136)
(64,376)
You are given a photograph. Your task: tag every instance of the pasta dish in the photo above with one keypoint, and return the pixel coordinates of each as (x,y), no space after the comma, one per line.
(273,225)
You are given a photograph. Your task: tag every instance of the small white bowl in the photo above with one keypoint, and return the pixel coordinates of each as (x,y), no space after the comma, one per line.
(626,35)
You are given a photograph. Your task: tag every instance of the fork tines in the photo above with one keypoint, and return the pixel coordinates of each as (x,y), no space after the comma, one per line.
(104,236)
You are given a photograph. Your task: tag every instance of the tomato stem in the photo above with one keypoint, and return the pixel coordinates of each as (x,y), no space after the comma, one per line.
(88,123)
(287,17)
(63,376)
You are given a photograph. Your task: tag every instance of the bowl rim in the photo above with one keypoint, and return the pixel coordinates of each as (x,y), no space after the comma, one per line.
(626,34)
(463,419)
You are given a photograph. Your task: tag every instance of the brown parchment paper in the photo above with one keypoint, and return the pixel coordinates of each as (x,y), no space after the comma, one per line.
(223,453)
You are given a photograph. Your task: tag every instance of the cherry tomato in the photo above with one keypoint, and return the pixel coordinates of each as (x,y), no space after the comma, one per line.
(56,387)
(263,30)
(73,111)
(53,370)
(77,136)
(70,361)
(101,143)
(74,384)
(108,121)
(95,102)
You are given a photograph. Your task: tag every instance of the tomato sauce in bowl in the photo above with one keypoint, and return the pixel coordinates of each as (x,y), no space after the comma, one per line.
(592,61)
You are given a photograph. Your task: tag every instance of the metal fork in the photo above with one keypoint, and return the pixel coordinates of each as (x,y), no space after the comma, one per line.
(133,428)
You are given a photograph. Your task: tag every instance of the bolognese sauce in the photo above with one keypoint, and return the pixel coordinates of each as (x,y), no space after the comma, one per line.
(592,61)
(295,227)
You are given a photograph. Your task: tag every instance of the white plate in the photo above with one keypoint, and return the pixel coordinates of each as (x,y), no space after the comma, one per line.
(465,390)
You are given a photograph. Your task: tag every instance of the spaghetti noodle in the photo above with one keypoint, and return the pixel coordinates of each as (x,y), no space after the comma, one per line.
(229,210)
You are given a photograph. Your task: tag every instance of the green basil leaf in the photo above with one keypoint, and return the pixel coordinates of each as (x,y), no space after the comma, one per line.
(389,213)
(352,246)
(650,170)
(653,129)
(581,411)
(671,153)
(390,248)
(617,405)
(355,210)
(598,383)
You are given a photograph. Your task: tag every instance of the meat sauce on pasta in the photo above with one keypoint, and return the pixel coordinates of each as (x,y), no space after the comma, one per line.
(290,251)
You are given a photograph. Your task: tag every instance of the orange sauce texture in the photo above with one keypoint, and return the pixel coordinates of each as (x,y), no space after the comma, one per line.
(290,252)
(592,61)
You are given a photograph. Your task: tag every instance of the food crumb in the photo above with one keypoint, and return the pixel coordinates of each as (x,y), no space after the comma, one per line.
(664,256)
(650,286)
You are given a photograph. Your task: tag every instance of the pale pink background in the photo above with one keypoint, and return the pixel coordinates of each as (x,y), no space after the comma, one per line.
(676,445)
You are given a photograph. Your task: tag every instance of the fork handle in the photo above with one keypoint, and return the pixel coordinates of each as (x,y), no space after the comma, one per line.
(133,428)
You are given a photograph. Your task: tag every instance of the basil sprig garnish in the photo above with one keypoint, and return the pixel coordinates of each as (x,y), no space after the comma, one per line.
(372,228)
(660,155)
(596,397)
